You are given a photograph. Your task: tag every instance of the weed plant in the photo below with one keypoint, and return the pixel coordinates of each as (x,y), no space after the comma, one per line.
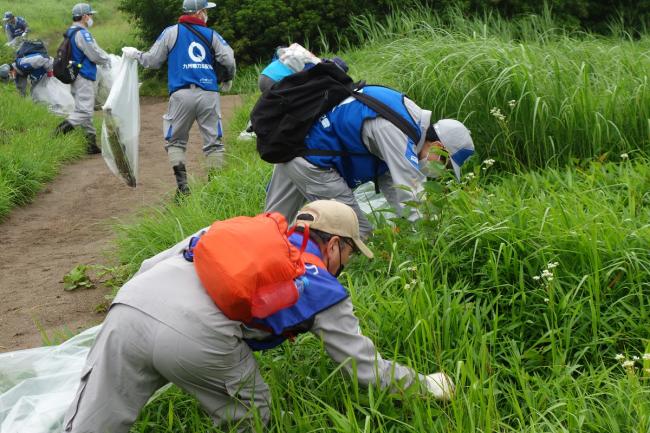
(29,154)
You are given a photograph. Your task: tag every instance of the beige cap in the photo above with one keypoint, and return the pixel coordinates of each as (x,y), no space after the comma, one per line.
(334,218)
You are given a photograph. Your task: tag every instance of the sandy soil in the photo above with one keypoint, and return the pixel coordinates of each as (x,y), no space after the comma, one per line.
(68,224)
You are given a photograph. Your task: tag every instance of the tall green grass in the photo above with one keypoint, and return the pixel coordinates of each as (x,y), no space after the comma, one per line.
(533,95)
(29,153)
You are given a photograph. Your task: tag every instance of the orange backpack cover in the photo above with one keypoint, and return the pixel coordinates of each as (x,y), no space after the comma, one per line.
(238,257)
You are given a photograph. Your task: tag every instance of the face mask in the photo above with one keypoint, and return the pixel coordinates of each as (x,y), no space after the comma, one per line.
(89,23)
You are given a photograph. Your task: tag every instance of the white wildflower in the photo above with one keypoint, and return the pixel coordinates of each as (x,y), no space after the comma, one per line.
(646,356)
(628,364)
(624,156)
(547,300)
(619,357)
(496,112)
(635,358)
(549,279)
(407,286)
(470,176)
(552,265)
(546,273)
(536,277)
(512,103)
(489,162)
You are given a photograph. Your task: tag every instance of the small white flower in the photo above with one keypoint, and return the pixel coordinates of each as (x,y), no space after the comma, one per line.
(547,300)
(635,358)
(628,364)
(496,112)
(536,277)
(546,273)
(624,156)
(512,103)
(552,265)
(646,356)
(470,176)
(407,286)
(489,162)
(619,357)
(549,278)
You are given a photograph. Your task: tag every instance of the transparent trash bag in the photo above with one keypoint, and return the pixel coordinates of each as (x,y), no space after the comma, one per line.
(55,95)
(106,77)
(121,126)
(38,385)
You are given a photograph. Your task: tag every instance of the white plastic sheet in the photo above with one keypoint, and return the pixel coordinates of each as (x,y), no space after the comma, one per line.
(371,201)
(55,95)
(121,126)
(106,77)
(38,385)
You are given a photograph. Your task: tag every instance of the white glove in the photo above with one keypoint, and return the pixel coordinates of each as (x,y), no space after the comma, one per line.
(441,386)
(226,86)
(131,53)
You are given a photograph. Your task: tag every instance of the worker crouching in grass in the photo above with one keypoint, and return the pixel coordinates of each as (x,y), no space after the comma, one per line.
(173,321)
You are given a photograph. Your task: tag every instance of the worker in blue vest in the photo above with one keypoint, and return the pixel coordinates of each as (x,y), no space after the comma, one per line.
(31,68)
(88,54)
(14,26)
(360,146)
(193,85)
(164,327)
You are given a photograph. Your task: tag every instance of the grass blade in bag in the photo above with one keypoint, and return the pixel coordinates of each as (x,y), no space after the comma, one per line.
(121,126)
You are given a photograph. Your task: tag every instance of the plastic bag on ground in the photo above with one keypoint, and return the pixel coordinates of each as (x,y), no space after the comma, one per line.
(106,77)
(38,385)
(55,95)
(121,126)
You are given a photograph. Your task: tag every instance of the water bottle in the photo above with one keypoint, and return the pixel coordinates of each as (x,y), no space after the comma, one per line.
(274,297)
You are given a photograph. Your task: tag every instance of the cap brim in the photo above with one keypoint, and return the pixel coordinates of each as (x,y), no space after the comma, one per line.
(210,5)
(456,169)
(363,248)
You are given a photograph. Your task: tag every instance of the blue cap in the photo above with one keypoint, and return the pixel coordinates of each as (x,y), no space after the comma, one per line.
(7,16)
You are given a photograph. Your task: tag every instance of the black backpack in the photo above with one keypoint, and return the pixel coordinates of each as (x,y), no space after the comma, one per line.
(284,114)
(31,47)
(64,68)
(223,74)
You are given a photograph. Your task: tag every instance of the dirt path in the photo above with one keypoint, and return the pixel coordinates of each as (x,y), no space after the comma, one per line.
(69,224)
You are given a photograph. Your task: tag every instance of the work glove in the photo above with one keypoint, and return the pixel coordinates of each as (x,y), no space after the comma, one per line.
(226,86)
(50,74)
(440,385)
(131,53)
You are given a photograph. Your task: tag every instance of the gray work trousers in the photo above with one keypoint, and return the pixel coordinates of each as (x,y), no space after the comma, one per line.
(298,181)
(135,354)
(83,91)
(187,106)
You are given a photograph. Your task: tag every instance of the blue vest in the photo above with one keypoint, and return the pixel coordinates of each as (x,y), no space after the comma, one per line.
(190,61)
(276,70)
(323,291)
(17,29)
(27,69)
(88,69)
(339,130)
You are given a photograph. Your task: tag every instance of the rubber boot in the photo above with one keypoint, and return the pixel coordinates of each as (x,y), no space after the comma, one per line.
(91,145)
(181,180)
(64,127)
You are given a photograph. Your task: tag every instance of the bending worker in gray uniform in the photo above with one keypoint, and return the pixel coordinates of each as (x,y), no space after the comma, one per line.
(163,327)
(31,69)
(192,85)
(88,54)
(364,147)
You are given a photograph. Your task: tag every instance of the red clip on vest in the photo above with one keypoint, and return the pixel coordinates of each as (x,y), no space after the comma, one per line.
(237,258)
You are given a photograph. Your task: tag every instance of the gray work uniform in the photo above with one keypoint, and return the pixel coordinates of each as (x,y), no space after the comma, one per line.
(298,181)
(36,62)
(163,327)
(192,104)
(82,88)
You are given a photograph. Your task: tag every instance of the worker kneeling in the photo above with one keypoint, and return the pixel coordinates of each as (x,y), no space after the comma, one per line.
(194,314)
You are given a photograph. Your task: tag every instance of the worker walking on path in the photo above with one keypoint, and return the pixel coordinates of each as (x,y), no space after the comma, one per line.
(352,144)
(15,27)
(86,54)
(196,55)
(163,326)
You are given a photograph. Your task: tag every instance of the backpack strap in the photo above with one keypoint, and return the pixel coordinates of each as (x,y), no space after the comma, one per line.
(389,114)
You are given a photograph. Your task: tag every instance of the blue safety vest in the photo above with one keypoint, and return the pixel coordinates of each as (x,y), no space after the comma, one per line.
(339,131)
(190,61)
(322,292)
(27,69)
(276,70)
(88,69)
(17,29)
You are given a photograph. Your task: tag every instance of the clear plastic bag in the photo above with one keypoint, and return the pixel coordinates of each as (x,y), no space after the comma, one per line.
(55,95)
(38,385)
(121,126)
(106,77)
